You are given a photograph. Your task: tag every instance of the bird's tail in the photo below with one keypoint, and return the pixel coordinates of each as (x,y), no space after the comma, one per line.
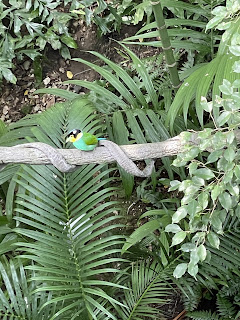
(101,139)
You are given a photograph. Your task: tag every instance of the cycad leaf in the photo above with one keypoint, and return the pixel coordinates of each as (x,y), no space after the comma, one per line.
(121,136)
(61,219)
(144,76)
(58,92)
(113,98)
(16,299)
(117,84)
(122,74)
(141,233)
(150,284)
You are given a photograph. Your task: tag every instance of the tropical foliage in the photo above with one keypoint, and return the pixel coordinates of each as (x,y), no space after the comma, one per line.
(71,245)
(27,27)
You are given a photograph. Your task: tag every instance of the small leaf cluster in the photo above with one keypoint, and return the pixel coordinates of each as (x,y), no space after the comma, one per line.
(211,192)
(226,18)
(222,13)
(26,27)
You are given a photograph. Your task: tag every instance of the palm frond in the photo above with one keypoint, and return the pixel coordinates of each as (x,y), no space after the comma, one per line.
(150,285)
(225,261)
(16,298)
(222,274)
(198,84)
(66,222)
(128,95)
(180,38)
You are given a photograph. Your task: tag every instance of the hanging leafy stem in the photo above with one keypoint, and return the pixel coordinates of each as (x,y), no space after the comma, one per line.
(211,193)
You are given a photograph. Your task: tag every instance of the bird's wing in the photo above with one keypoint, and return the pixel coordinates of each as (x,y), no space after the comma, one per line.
(89,138)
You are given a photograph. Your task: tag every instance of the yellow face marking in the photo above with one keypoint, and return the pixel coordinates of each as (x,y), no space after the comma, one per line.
(72,138)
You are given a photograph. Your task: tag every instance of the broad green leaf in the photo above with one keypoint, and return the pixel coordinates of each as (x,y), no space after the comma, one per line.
(236,67)
(204,173)
(140,233)
(194,258)
(213,239)
(8,75)
(236,83)
(192,168)
(180,270)
(191,154)
(237,171)
(173,228)
(213,22)
(223,118)
(69,41)
(216,221)
(187,247)
(203,200)
(214,156)
(207,106)
(226,87)
(229,154)
(178,238)
(202,252)
(219,11)
(215,192)
(65,53)
(225,200)
(174,185)
(192,269)
(179,214)
(192,207)
(235,50)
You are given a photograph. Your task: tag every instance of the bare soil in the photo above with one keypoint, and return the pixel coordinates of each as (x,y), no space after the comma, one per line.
(18,100)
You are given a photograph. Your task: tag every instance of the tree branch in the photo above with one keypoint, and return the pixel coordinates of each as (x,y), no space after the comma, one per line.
(22,154)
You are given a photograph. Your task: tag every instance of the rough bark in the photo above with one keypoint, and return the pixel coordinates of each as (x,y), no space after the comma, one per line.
(21,154)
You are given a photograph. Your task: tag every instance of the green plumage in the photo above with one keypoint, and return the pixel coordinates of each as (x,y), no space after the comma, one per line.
(89,138)
(87,142)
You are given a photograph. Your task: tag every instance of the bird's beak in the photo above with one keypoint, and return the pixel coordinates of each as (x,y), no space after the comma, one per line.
(68,139)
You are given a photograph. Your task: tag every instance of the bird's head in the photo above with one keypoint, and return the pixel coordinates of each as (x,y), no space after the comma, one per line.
(74,135)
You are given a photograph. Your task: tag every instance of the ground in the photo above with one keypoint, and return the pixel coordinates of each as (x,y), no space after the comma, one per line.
(18,100)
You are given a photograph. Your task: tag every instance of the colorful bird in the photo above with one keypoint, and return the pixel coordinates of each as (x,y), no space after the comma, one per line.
(83,140)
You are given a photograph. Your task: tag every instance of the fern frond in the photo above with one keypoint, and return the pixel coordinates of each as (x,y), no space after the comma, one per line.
(232,288)
(192,294)
(204,315)
(225,307)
